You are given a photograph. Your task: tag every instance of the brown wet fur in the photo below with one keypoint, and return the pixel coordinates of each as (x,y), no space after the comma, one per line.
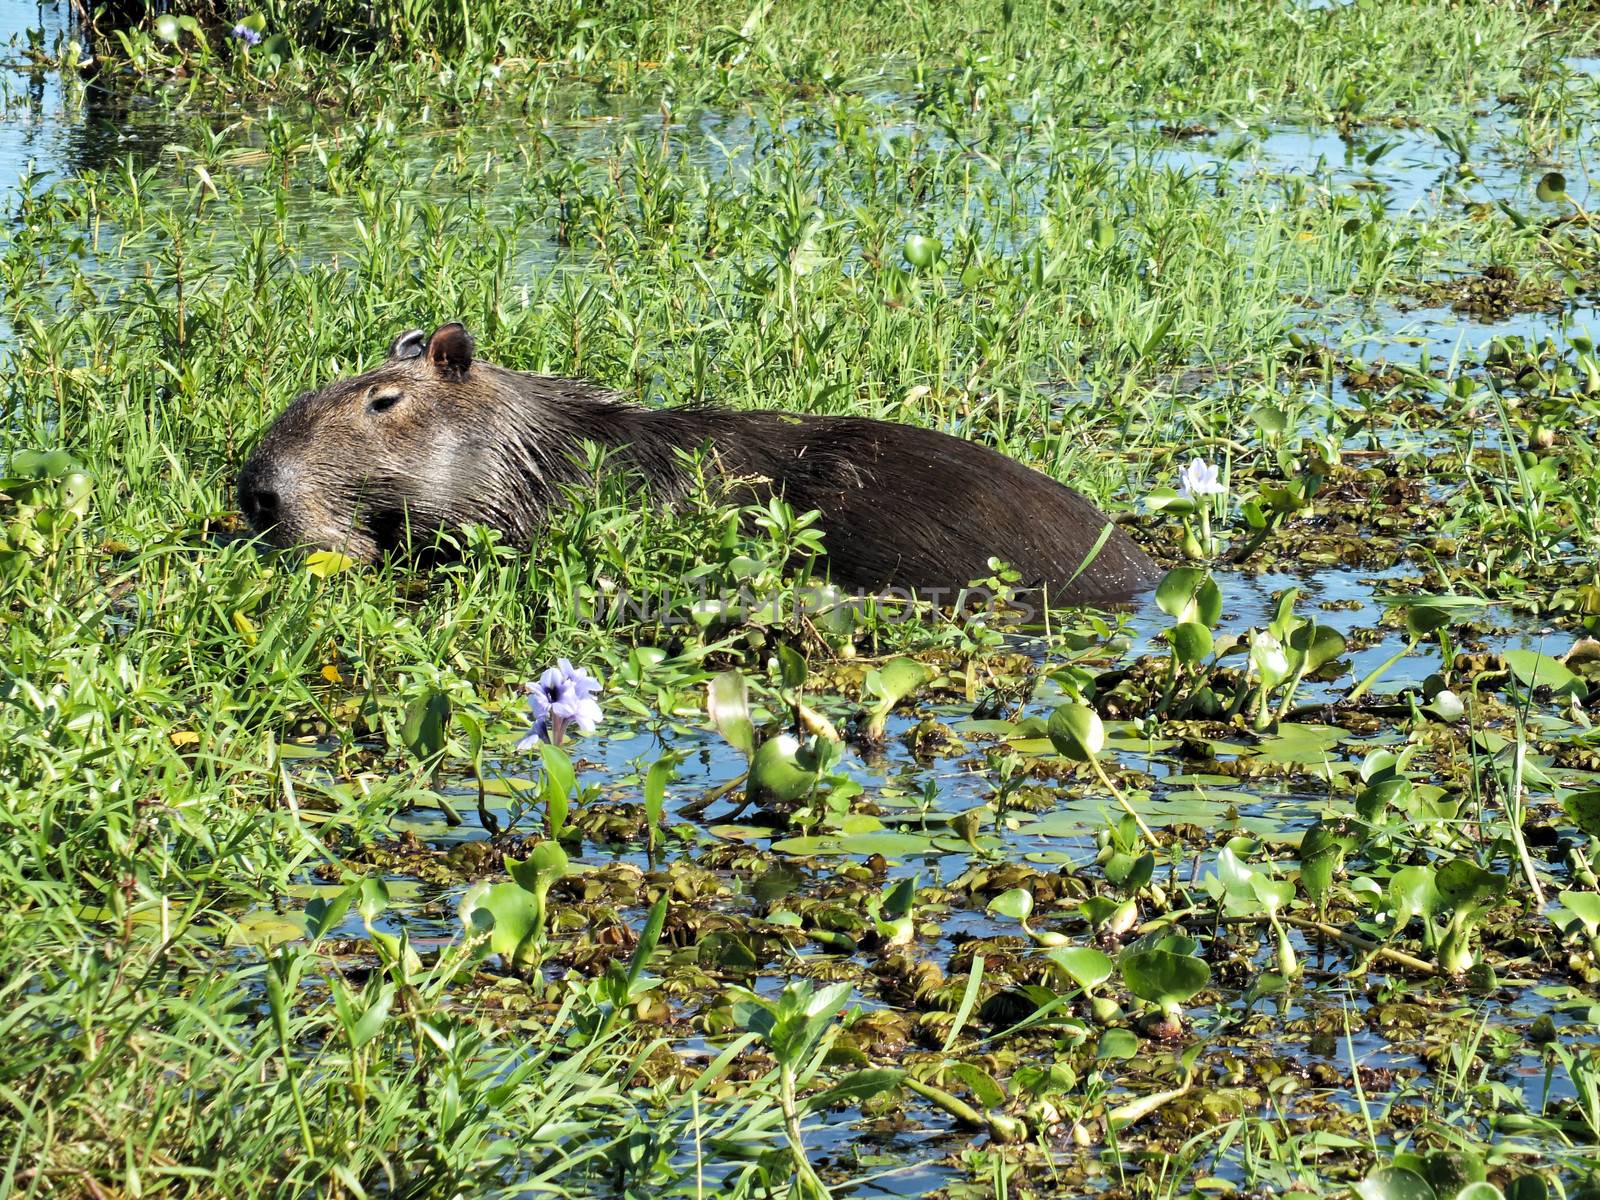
(434,439)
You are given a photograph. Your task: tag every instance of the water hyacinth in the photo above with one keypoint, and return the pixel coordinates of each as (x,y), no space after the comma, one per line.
(563,695)
(1199,478)
(246,34)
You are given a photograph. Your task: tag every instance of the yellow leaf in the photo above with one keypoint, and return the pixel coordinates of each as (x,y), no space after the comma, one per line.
(331,674)
(205,178)
(323,563)
(245,626)
(181,738)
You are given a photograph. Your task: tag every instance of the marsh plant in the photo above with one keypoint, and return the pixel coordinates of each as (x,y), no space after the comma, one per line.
(1284,880)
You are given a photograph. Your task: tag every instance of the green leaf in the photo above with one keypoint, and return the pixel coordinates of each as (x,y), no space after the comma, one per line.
(426,720)
(1129,871)
(728,706)
(655,787)
(985,1090)
(1270,419)
(1447,706)
(791,666)
(896,679)
(887,843)
(372,897)
(42,464)
(776,773)
(1423,619)
(1191,642)
(324,914)
(324,564)
(856,1087)
(1585,906)
(1320,854)
(899,898)
(1165,499)
(1270,660)
(518,921)
(1087,966)
(1274,894)
(1117,1043)
(1462,883)
(371,1022)
(546,863)
(1394,1183)
(1413,893)
(649,937)
(1319,644)
(559,784)
(922,251)
(1535,670)
(1190,594)
(1077,732)
(1161,976)
(1016,903)
(1378,798)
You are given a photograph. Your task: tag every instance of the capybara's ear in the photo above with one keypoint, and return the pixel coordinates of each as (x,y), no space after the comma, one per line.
(450,350)
(409,344)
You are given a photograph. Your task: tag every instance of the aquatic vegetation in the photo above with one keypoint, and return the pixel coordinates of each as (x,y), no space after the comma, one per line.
(563,694)
(1284,880)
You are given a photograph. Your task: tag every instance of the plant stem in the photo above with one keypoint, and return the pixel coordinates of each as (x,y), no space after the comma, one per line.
(1123,800)
(1514,809)
(791,1125)
(1377,672)
(1353,940)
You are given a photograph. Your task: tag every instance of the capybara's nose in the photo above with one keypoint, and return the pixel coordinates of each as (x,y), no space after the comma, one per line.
(261,506)
(258,498)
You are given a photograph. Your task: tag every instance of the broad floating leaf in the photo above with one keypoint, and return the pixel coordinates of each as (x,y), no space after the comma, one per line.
(1087,966)
(1077,732)
(1162,976)
(1535,670)
(1394,1183)
(1016,903)
(776,772)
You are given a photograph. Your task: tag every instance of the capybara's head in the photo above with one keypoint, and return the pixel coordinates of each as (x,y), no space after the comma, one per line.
(372,461)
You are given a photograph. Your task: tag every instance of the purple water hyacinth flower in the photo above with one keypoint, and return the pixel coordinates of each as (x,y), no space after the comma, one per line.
(564,695)
(244,33)
(1199,478)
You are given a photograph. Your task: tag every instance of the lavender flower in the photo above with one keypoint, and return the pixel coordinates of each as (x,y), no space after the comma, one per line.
(563,695)
(1199,478)
(246,34)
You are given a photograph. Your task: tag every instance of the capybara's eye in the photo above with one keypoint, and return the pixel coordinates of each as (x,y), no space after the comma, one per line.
(383,402)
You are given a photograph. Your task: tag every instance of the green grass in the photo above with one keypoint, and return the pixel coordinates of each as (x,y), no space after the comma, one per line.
(1103,309)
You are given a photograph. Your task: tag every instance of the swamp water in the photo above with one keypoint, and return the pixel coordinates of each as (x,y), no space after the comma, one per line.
(977,806)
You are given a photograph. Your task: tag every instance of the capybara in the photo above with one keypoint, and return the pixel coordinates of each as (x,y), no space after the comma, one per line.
(434,439)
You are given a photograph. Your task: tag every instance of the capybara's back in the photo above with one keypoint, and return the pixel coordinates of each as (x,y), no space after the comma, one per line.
(907,507)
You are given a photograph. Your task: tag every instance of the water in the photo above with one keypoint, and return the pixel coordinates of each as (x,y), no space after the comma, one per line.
(54,126)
